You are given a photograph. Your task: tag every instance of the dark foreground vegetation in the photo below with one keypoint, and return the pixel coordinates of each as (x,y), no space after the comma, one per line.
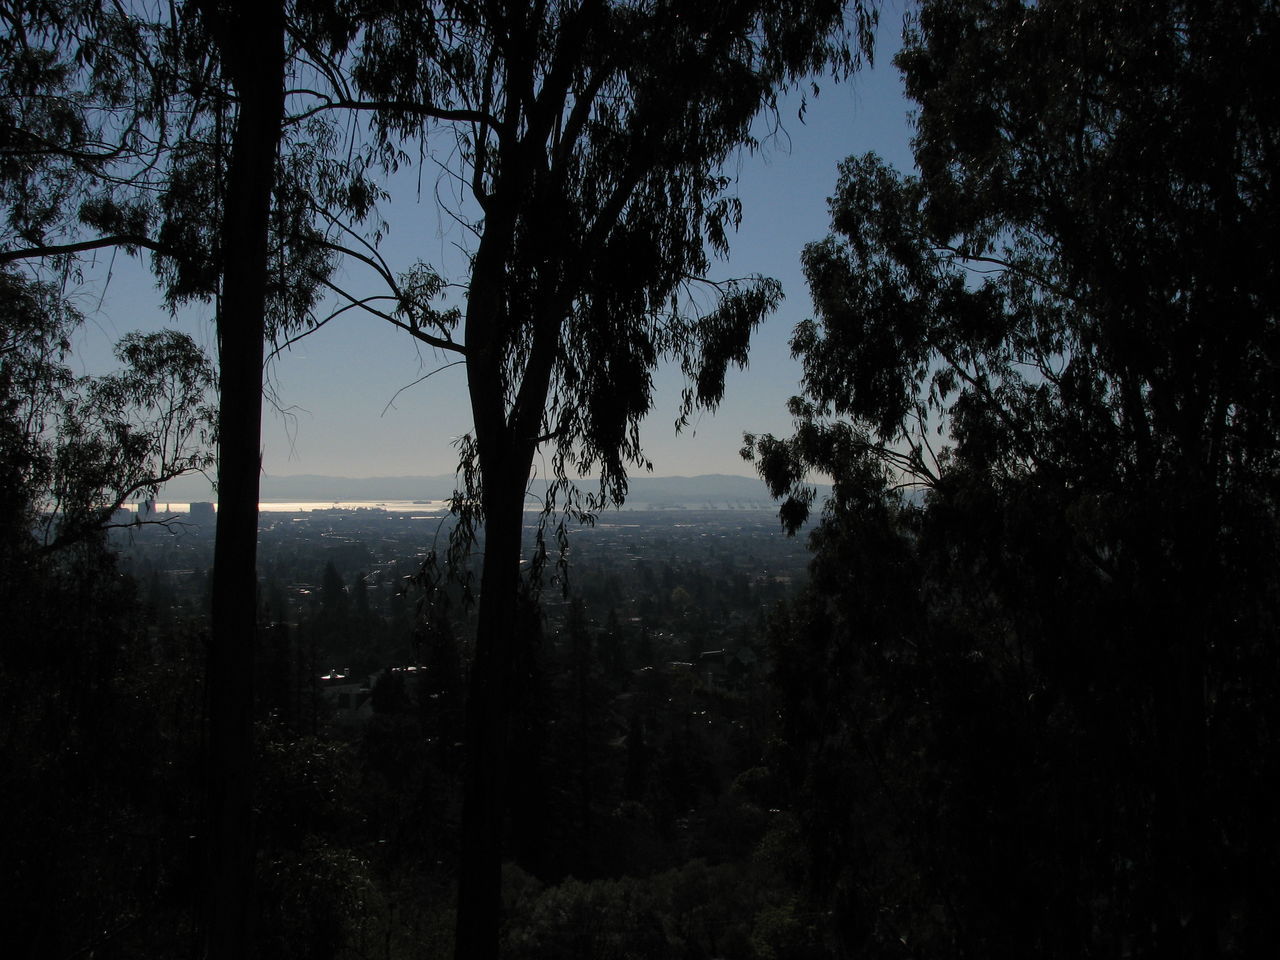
(646,819)
(1025,703)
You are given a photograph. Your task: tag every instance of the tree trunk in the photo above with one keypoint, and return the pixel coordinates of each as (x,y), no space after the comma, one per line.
(1188,670)
(488,712)
(1187,921)
(253,58)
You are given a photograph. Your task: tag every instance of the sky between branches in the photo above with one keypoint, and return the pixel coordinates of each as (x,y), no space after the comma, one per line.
(345,400)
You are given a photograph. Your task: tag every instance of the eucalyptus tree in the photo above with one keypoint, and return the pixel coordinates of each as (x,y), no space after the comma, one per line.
(249,50)
(1076,287)
(589,137)
(83,128)
(255,183)
(165,128)
(74,449)
(85,104)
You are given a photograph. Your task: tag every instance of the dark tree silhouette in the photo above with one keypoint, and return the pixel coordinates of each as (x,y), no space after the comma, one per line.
(589,137)
(81,137)
(75,449)
(251,188)
(82,124)
(251,54)
(1074,288)
(162,129)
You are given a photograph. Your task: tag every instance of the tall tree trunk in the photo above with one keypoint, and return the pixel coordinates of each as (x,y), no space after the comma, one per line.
(488,713)
(252,54)
(504,469)
(1195,571)
(1187,921)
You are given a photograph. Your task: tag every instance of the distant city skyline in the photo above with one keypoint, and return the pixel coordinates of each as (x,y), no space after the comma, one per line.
(350,399)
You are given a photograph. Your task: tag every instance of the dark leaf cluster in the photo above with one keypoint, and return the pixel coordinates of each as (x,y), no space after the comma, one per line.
(1063,328)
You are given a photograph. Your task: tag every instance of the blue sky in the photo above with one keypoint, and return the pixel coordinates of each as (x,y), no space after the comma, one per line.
(344,401)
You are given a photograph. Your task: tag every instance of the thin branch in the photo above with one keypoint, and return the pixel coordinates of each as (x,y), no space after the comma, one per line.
(1008,265)
(85,527)
(924,439)
(984,390)
(438,342)
(396,106)
(372,260)
(280,348)
(40,146)
(548,437)
(421,379)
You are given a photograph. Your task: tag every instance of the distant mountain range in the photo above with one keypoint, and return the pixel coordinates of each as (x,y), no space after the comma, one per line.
(718,489)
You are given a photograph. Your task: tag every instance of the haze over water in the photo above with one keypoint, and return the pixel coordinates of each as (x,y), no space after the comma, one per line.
(391,506)
(442,506)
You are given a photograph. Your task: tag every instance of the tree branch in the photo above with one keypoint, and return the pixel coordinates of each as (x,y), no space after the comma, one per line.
(440,343)
(421,379)
(394,106)
(98,243)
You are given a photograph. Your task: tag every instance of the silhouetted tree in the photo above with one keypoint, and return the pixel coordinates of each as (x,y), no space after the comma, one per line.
(590,135)
(250,52)
(161,129)
(1074,288)
(253,188)
(82,121)
(96,738)
(75,449)
(79,108)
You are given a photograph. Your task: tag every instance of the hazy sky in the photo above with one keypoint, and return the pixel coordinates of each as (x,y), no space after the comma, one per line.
(345,402)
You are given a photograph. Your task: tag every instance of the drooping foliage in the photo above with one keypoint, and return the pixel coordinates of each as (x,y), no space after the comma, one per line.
(83,95)
(1063,330)
(160,127)
(589,138)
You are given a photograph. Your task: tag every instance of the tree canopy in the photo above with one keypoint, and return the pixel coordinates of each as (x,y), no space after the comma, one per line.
(1025,704)
(1064,330)
(589,136)
(75,449)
